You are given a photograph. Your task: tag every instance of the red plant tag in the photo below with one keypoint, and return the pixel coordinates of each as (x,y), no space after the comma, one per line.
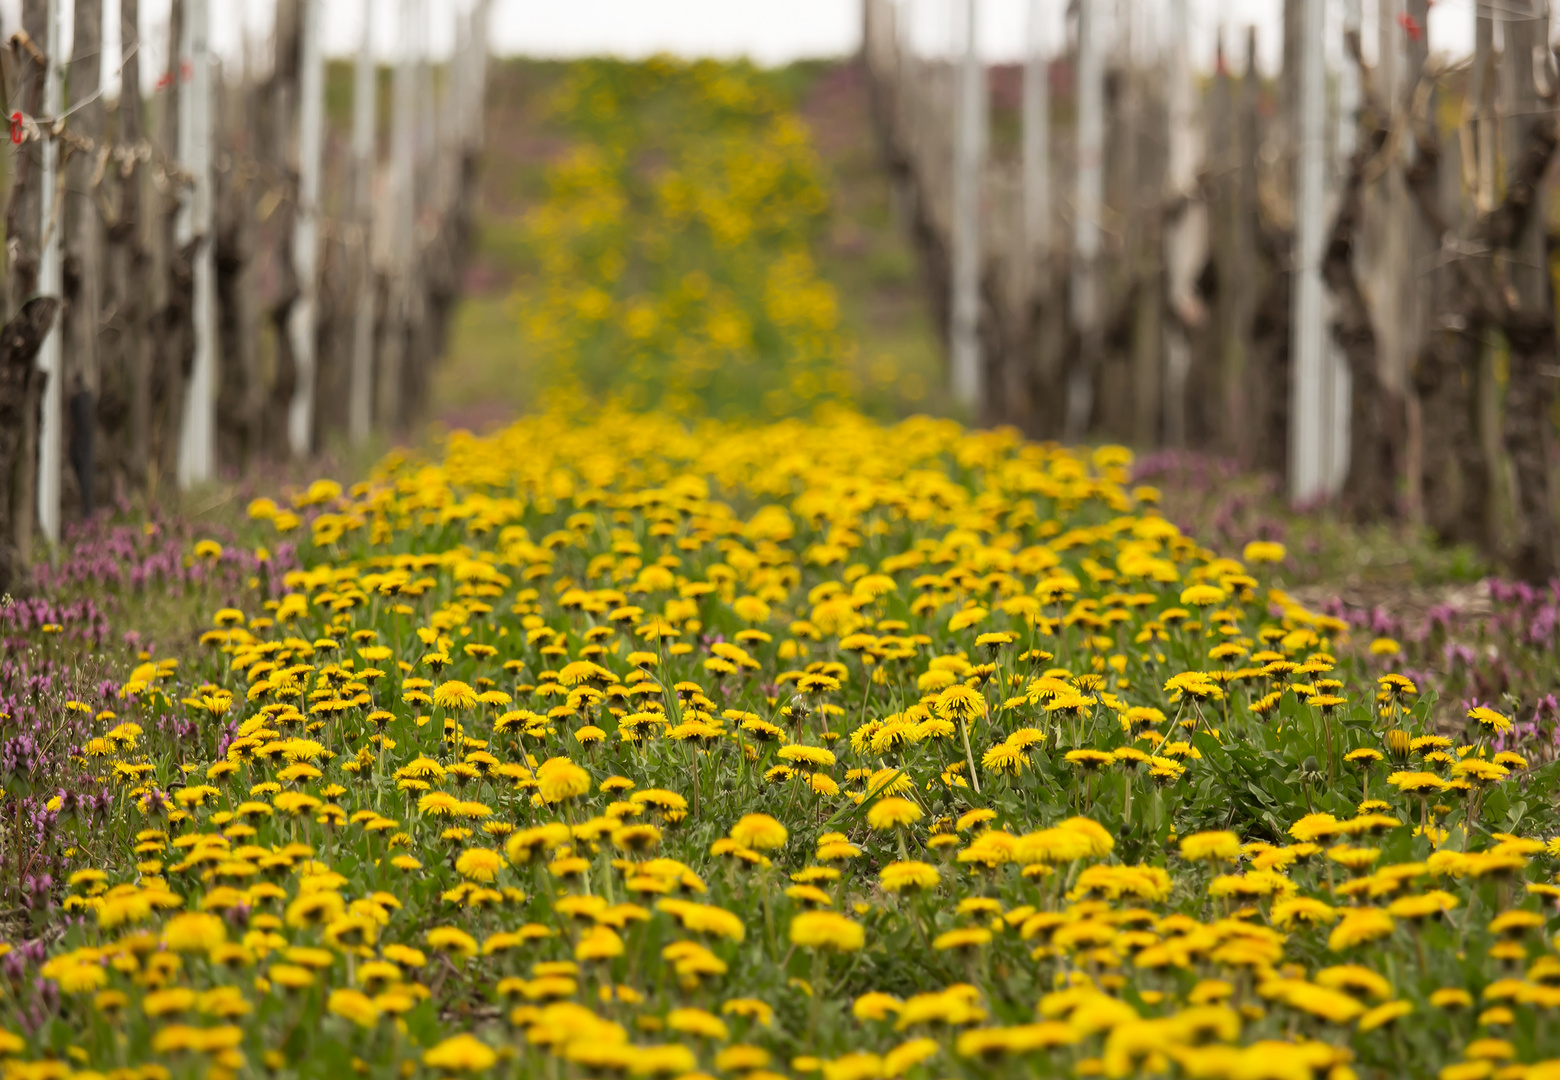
(16,129)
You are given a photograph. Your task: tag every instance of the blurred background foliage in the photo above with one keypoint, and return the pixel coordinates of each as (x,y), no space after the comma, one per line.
(672,256)
(710,238)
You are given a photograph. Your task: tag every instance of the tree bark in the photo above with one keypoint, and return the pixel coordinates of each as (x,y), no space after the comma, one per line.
(1454,472)
(172,280)
(23,213)
(1376,421)
(18,468)
(125,397)
(19,379)
(1088,209)
(360,409)
(83,250)
(235,251)
(1530,328)
(283,105)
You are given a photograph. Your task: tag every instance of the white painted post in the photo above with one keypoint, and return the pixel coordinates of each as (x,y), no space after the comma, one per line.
(426,123)
(1386,250)
(1349,84)
(453,122)
(364,94)
(478,74)
(969,139)
(1088,202)
(1307,425)
(1183,239)
(306,228)
(455,126)
(403,206)
(1036,154)
(1338,385)
(403,149)
(1482,93)
(197,438)
(51,283)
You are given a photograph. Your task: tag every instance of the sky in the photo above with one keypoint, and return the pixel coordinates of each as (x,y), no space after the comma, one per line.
(766,31)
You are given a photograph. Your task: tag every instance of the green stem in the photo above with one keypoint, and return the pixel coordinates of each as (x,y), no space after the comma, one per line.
(969,755)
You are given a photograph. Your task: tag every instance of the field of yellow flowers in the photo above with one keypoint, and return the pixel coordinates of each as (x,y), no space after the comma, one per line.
(670,260)
(607,746)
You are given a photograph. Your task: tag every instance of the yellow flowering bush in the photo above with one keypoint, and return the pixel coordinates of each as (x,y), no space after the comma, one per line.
(619,747)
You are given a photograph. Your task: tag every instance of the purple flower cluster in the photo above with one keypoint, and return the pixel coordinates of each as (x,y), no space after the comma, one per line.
(1529,612)
(50,654)
(1504,655)
(1496,644)
(57,675)
(177,728)
(37,999)
(112,553)
(80,621)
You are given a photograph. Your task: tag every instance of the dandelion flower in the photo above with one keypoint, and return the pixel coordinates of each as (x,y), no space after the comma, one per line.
(893,813)
(1219,846)
(759,832)
(909,876)
(461,1053)
(1489,718)
(454,694)
(826,930)
(479,864)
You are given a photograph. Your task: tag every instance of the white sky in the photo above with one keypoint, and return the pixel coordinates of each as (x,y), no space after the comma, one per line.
(767,31)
